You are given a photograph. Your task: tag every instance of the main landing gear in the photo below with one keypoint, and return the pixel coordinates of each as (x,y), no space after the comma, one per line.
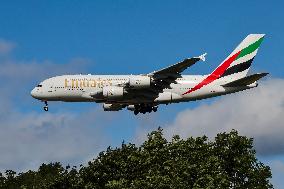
(46,106)
(142,108)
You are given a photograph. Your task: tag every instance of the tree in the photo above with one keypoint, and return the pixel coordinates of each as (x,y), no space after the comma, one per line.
(227,162)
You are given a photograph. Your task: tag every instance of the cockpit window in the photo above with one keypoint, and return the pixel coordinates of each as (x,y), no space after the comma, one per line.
(39,85)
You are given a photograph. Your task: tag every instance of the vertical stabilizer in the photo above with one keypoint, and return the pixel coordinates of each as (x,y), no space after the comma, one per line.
(238,66)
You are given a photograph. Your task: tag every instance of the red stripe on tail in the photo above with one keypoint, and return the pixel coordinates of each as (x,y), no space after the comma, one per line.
(215,74)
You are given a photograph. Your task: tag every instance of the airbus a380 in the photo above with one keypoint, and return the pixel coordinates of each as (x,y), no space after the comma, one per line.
(144,93)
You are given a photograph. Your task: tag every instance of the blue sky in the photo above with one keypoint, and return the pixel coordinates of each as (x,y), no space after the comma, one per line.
(39,39)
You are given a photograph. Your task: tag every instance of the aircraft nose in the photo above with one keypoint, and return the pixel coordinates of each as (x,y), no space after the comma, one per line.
(33,93)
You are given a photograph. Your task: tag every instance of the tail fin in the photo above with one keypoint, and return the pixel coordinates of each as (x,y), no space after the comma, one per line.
(237,64)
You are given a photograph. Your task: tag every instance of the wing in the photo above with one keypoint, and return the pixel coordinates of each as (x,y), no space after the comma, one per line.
(178,67)
(164,77)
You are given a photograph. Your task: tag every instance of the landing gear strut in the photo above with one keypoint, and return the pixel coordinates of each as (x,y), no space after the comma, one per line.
(46,106)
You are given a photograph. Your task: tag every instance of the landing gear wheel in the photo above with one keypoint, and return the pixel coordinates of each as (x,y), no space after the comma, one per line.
(45,108)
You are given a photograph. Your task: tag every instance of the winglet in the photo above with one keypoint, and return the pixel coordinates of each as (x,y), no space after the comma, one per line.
(202,57)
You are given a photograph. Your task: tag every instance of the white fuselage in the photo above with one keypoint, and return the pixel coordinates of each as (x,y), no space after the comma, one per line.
(80,88)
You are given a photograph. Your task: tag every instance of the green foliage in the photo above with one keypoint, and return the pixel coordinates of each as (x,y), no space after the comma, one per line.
(227,162)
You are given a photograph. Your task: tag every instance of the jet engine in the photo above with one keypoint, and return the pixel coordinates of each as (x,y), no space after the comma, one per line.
(113,92)
(112,107)
(131,107)
(139,81)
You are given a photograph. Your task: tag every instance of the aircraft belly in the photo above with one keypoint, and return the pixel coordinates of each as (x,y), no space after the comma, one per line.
(205,92)
(168,97)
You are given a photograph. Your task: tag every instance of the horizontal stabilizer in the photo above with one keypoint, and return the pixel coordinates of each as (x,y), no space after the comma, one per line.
(246,80)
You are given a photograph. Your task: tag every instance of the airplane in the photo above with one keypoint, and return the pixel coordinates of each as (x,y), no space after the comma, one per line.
(145,92)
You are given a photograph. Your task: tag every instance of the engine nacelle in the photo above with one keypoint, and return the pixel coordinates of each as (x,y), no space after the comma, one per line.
(113,92)
(131,107)
(139,81)
(112,107)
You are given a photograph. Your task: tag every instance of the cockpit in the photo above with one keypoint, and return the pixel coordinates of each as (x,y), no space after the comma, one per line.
(36,92)
(44,91)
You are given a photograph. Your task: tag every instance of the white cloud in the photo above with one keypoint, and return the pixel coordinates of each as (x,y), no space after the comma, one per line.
(6,46)
(15,71)
(258,113)
(29,138)
(18,78)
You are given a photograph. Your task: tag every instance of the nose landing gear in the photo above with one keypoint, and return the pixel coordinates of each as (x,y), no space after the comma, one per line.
(46,106)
